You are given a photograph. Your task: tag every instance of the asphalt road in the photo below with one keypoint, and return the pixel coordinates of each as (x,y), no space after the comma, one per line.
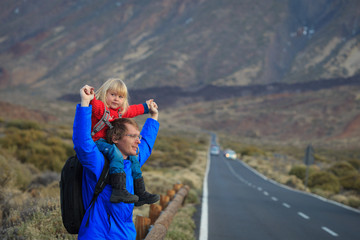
(245,205)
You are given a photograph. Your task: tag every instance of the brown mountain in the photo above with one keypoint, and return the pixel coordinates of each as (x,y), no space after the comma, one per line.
(189,52)
(48,45)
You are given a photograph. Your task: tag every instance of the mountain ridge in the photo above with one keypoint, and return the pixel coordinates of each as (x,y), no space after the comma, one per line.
(174,96)
(188,54)
(189,44)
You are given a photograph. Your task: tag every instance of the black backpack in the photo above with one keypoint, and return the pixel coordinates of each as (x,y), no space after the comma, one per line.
(72,207)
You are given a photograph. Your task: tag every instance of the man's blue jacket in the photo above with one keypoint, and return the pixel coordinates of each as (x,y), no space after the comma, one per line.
(107,220)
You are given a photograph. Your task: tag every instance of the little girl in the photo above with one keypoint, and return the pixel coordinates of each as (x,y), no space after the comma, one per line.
(111,102)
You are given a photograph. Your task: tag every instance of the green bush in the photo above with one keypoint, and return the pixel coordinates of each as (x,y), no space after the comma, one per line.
(325,181)
(251,151)
(320,158)
(342,169)
(172,151)
(351,182)
(23,124)
(15,174)
(299,171)
(355,163)
(192,197)
(40,148)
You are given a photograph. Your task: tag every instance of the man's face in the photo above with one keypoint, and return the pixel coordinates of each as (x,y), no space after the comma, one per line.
(128,145)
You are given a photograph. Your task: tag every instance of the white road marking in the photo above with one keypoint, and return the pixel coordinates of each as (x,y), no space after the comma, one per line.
(203,235)
(286,205)
(274,199)
(329,231)
(303,215)
(266,193)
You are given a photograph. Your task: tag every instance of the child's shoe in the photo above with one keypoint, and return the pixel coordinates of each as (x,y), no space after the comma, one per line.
(144,196)
(119,191)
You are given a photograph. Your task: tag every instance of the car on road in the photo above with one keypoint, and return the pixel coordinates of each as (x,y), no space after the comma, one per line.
(214,150)
(230,154)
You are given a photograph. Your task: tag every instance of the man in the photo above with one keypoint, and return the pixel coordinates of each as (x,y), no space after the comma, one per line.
(109,220)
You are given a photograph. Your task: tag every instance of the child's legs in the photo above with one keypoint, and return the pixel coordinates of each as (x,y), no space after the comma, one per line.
(135,168)
(113,154)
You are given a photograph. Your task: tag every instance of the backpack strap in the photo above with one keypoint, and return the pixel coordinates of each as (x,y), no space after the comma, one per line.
(100,185)
(103,121)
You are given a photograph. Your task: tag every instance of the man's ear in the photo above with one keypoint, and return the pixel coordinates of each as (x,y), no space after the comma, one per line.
(114,140)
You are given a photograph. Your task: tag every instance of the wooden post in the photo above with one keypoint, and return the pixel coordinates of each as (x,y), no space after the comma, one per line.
(142,225)
(154,212)
(177,187)
(164,200)
(162,224)
(171,194)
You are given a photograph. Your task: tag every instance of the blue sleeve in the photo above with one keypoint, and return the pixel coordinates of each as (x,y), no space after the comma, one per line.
(85,148)
(149,133)
(146,108)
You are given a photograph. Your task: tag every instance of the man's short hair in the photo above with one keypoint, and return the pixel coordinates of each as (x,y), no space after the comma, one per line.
(119,129)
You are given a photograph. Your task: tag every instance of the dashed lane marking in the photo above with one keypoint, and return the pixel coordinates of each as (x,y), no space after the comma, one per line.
(329,231)
(303,215)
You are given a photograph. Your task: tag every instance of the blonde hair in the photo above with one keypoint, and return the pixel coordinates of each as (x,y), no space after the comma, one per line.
(117,85)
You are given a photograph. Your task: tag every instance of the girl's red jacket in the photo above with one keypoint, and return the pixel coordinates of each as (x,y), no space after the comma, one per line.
(98,109)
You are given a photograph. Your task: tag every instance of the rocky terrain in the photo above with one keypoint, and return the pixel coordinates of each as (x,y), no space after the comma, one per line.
(48,45)
(202,60)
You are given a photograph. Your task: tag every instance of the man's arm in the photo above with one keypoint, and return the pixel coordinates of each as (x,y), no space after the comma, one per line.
(149,133)
(86,94)
(154,112)
(85,148)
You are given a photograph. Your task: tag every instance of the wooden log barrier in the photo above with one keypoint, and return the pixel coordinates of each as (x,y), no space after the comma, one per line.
(154,212)
(142,227)
(162,224)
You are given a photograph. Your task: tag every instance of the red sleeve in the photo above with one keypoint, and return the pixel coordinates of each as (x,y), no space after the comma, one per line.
(134,110)
(98,109)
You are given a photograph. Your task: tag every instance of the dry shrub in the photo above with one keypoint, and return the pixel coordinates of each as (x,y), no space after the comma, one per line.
(182,226)
(354,201)
(340,198)
(351,181)
(300,171)
(251,151)
(295,182)
(355,163)
(23,124)
(36,219)
(44,179)
(172,151)
(342,169)
(324,181)
(13,174)
(37,147)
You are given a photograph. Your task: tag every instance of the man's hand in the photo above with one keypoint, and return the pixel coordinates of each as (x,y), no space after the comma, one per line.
(154,112)
(87,94)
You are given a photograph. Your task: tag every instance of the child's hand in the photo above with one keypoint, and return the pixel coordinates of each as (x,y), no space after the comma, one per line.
(148,102)
(87,94)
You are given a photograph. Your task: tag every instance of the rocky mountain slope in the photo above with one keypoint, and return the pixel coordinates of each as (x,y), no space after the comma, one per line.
(52,47)
(192,56)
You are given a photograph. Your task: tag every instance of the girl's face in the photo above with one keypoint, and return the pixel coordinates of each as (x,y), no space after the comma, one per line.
(113,100)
